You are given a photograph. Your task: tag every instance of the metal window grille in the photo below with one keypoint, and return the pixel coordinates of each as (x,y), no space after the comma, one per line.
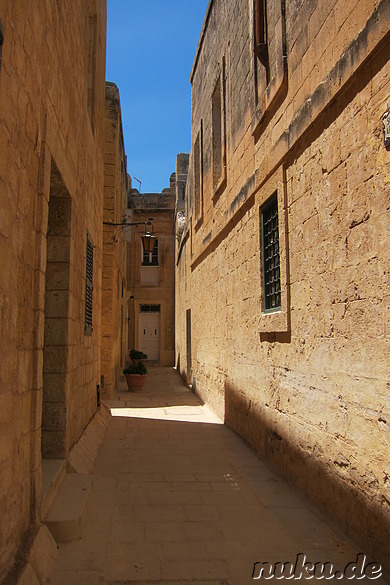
(150,309)
(151,258)
(88,287)
(271,260)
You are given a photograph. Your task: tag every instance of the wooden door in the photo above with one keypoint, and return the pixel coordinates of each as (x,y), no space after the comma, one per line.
(149,335)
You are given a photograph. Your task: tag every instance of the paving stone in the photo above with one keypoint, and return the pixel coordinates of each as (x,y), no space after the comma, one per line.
(164,532)
(158,513)
(194,569)
(125,532)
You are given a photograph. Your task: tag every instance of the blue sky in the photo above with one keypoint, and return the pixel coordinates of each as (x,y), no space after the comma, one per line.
(151,46)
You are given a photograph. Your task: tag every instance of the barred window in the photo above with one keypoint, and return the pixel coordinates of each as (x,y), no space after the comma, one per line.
(270,251)
(88,287)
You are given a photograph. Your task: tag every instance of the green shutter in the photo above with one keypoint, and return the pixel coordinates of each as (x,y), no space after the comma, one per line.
(88,287)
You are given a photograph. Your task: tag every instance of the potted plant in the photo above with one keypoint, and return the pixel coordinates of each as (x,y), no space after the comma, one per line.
(135,376)
(138,356)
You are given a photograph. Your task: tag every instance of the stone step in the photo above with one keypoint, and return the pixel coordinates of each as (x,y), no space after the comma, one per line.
(53,472)
(65,519)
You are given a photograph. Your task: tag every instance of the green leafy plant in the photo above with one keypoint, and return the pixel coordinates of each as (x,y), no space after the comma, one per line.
(137,369)
(138,355)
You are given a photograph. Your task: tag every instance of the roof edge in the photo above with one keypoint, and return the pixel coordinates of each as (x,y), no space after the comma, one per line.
(201,37)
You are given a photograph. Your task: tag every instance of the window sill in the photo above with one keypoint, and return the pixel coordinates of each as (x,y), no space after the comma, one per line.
(274,322)
(270,97)
(219,187)
(150,275)
(198,222)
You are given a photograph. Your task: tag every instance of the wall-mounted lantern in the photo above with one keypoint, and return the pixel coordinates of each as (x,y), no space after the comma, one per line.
(148,239)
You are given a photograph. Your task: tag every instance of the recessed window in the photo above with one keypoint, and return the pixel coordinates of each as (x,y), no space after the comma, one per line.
(217,132)
(218,119)
(198,175)
(270,255)
(270,61)
(261,40)
(88,287)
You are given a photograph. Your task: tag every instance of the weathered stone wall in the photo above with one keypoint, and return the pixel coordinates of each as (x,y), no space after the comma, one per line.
(51,173)
(306,385)
(160,207)
(181,174)
(114,302)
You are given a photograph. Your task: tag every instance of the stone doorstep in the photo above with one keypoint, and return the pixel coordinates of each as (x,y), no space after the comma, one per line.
(65,496)
(53,473)
(84,453)
(65,519)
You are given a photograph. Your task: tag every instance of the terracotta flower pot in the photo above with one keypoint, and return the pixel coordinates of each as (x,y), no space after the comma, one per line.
(135,381)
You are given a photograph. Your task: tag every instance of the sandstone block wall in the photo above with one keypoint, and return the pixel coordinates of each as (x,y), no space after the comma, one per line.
(51,173)
(114,303)
(307,384)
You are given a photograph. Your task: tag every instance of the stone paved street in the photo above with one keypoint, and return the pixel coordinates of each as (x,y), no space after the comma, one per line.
(179,499)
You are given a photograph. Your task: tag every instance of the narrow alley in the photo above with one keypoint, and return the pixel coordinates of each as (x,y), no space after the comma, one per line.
(178,498)
(204,185)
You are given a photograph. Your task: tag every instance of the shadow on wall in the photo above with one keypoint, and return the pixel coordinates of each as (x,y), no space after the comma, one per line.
(366,522)
(277,337)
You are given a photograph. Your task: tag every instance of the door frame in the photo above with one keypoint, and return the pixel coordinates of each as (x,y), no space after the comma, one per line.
(163,307)
(150,323)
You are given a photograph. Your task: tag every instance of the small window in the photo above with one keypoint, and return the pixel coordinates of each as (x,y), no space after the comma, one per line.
(198,175)
(270,255)
(270,61)
(151,258)
(217,133)
(88,287)
(261,40)
(218,118)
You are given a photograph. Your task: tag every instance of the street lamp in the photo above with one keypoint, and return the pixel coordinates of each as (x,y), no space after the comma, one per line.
(148,239)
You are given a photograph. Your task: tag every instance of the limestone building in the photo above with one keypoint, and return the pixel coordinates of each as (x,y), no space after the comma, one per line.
(282,279)
(114,298)
(151,276)
(51,173)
